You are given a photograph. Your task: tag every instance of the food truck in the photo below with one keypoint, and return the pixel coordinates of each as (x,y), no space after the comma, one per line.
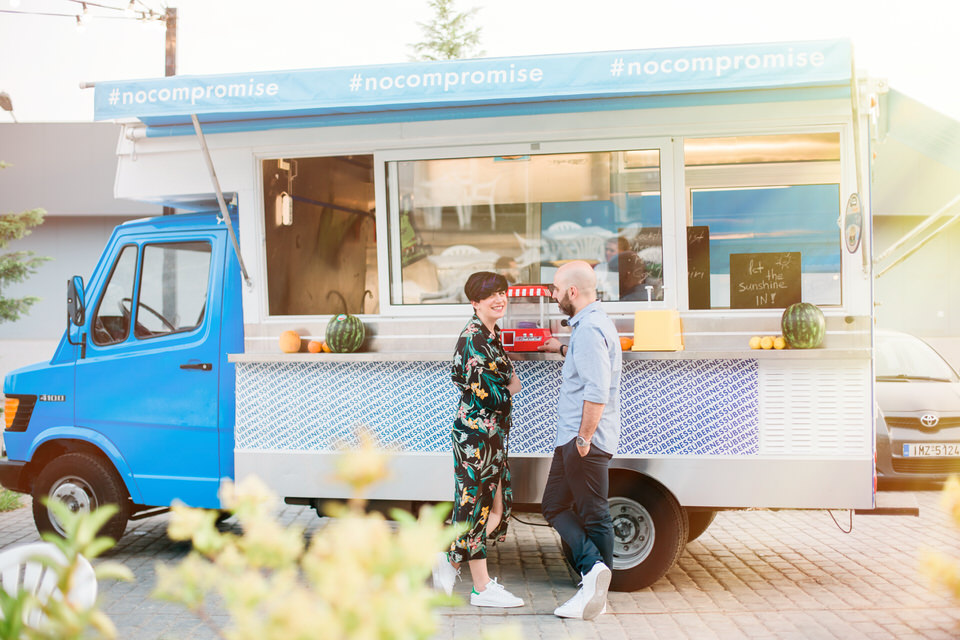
(711,186)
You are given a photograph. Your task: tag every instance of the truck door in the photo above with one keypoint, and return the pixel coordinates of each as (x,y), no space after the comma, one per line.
(149,379)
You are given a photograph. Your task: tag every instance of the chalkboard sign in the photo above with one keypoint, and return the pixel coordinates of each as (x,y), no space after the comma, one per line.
(764,280)
(698,267)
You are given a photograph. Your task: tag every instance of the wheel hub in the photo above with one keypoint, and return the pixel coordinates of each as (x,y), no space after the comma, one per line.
(75,494)
(633,532)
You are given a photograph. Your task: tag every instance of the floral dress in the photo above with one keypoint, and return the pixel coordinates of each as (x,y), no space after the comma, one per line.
(482,371)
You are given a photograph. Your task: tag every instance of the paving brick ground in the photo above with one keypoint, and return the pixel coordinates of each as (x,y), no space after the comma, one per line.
(753,574)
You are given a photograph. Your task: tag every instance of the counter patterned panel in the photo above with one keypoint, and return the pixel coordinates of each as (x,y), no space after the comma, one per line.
(669,407)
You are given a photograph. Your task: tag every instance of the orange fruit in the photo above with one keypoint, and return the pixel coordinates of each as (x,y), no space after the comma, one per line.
(314,346)
(289,341)
(325,346)
(626,343)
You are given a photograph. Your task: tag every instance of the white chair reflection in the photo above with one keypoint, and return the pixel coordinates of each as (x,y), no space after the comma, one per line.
(454,265)
(479,193)
(532,251)
(459,192)
(571,241)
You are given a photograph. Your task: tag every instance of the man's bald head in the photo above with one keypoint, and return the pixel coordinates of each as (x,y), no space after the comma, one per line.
(581,275)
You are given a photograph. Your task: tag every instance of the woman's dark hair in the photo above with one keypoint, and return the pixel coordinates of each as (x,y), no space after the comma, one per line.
(484,284)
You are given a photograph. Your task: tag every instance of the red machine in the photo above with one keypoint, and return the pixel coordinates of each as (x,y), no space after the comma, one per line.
(525,329)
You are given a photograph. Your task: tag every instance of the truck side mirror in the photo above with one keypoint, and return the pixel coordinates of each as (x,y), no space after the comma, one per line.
(75,310)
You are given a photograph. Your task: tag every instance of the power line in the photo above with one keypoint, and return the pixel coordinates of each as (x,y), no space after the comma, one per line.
(129,12)
(129,7)
(96,4)
(142,16)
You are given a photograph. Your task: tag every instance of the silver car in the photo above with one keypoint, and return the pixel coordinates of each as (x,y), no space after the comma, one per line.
(918,437)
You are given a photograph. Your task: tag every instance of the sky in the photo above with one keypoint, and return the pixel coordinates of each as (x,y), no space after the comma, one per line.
(914,45)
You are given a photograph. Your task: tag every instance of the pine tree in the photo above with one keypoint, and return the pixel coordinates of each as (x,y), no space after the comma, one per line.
(448,36)
(16,266)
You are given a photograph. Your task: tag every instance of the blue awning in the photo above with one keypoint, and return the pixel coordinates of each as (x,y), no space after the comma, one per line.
(477,87)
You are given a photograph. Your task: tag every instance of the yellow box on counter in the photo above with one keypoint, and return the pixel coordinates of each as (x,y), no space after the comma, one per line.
(657,330)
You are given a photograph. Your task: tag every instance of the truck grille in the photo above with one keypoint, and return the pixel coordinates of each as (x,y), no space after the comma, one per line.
(24,409)
(927,465)
(914,423)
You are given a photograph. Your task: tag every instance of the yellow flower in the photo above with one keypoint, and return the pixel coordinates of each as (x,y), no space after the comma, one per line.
(477,391)
(483,514)
(493,365)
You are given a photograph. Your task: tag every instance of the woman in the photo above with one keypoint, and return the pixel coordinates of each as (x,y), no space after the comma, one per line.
(485,377)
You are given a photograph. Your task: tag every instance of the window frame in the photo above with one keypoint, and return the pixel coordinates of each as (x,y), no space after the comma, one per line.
(138,289)
(387,191)
(840,172)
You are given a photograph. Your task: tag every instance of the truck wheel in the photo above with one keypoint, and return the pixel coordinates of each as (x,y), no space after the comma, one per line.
(83,482)
(649,531)
(698,522)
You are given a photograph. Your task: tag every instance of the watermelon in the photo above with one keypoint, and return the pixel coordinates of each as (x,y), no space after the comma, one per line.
(345,333)
(803,325)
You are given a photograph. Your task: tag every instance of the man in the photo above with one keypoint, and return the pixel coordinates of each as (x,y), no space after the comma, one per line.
(575,497)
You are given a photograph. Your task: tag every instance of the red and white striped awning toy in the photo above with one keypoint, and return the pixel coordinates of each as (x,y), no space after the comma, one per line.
(528,291)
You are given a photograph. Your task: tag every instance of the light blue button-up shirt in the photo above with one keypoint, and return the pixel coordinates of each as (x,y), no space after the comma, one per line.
(591,372)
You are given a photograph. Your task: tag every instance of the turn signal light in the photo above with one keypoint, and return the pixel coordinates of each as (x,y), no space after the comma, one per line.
(10,411)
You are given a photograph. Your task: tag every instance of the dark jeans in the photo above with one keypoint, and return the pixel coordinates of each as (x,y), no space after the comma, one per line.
(575,504)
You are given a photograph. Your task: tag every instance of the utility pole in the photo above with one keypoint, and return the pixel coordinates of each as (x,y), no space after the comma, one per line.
(170,59)
(170,17)
(169,257)
(7,105)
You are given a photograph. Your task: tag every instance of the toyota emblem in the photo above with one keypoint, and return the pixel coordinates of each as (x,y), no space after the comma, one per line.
(929,420)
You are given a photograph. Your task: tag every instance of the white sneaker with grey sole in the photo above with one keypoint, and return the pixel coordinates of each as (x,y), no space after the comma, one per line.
(573,608)
(595,585)
(494,595)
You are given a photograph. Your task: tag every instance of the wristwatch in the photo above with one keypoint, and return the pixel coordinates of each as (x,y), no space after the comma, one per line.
(582,442)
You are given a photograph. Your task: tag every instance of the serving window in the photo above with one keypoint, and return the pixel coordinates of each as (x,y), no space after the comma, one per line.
(524,216)
(762,220)
(320,234)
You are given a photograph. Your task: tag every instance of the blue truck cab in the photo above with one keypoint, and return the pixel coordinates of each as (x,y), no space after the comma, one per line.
(136,407)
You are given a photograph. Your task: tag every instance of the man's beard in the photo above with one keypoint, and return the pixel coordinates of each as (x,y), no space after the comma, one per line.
(565,305)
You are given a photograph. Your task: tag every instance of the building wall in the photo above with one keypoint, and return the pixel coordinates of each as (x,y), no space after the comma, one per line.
(921,295)
(67,169)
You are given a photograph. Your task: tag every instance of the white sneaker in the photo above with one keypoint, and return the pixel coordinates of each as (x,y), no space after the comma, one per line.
(494,595)
(595,585)
(444,575)
(572,608)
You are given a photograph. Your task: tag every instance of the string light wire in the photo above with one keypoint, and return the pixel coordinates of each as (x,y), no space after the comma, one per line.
(146,14)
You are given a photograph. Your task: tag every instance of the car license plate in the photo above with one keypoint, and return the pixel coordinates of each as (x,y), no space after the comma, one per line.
(931,450)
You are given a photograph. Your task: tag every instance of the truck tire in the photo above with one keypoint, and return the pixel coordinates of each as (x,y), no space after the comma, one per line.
(649,532)
(698,521)
(84,482)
